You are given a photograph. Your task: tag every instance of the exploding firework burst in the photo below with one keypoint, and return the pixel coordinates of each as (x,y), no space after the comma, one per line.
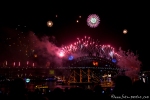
(93,20)
(89,46)
(49,23)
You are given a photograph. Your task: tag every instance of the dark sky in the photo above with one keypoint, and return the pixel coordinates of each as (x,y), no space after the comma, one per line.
(114,18)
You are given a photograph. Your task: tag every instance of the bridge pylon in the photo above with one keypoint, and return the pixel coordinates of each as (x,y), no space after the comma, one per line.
(80,75)
(83,76)
(89,76)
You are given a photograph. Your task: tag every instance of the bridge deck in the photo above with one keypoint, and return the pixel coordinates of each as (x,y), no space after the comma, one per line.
(105,68)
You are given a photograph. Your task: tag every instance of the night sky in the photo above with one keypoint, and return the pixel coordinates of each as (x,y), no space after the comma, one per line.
(114,19)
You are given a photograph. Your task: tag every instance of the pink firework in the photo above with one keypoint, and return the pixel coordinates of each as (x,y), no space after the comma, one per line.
(61,53)
(93,20)
(87,44)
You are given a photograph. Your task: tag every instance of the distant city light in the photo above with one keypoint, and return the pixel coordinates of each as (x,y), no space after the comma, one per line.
(27,80)
(14,64)
(33,64)
(27,62)
(35,55)
(19,64)
(6,63)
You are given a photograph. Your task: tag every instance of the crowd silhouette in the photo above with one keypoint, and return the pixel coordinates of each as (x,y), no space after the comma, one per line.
(123,86)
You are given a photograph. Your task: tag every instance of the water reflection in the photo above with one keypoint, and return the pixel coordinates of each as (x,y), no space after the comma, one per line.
(51,85)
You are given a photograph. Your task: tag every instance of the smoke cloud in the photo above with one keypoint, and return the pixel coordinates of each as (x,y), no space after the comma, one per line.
(45,49)
(129,61)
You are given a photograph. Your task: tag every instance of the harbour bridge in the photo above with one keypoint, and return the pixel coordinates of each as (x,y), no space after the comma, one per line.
(92,69)
(85,70)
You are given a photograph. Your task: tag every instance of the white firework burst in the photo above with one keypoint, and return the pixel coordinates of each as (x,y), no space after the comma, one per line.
(93,20)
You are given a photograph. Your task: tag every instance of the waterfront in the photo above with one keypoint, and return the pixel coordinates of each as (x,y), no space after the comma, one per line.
(50,86)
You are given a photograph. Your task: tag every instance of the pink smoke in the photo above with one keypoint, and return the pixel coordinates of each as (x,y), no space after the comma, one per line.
(129,61)
(45,48)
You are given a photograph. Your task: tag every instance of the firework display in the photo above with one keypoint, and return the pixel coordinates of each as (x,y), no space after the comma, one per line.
(35,52)
(49,23)
(30,50)
(87,46)
(93,20)
(125,31)
(130,62)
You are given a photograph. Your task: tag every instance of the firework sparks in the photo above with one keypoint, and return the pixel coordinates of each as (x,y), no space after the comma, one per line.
(126,60)
(93,20)
(88,45)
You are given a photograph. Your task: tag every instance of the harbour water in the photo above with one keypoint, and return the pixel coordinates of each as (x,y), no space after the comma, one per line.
(52,85)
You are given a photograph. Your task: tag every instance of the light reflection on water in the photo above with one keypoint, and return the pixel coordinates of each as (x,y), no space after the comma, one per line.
(51,85)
